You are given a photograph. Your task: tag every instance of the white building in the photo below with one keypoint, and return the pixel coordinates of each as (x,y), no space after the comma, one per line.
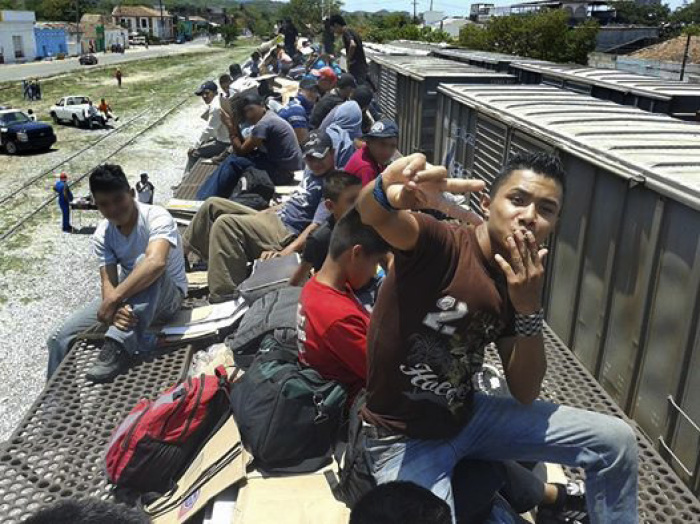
(146,20)
(17,42)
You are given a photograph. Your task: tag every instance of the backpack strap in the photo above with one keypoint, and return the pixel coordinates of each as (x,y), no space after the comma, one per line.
(283,355)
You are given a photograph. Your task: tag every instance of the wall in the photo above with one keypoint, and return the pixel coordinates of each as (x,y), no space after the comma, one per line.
(17,24)
(657,68)
(50,41)
(614,36)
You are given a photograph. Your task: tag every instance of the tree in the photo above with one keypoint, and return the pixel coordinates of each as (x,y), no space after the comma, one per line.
(307,14)
(631,13)
(689,14)
(229,33)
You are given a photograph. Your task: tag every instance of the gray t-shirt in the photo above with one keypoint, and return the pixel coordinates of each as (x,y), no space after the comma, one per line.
(280,144)
(112,247)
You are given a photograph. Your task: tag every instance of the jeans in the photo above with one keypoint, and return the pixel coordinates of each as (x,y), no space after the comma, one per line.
(158,302)
(65,212)
(503,429)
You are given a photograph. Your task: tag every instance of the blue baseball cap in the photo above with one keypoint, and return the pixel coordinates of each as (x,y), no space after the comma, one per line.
(207,86)
(383,128)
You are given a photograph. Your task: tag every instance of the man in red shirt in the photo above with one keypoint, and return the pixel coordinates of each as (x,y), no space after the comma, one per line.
(332,324)
(378,151)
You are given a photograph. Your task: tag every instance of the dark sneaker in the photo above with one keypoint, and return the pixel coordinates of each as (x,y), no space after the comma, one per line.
(113,360)
(570,507)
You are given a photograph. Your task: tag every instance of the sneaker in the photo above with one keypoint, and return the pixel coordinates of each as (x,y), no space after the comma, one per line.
(569,509)
(113,360)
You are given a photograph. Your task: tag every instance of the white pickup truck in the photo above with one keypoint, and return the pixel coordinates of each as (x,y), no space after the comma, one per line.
(76,109)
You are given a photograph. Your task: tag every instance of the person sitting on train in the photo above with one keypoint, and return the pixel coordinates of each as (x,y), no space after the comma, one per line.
(342,92)
(142,270)
(380,147)
(351,115)
(214,138)
(298,110)
(452,291)
(227,235)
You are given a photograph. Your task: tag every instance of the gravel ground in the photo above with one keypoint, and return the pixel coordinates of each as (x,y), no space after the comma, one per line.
(55,274)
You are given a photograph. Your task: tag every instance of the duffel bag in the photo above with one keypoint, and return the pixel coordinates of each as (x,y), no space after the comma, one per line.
(287,414)
(155,443)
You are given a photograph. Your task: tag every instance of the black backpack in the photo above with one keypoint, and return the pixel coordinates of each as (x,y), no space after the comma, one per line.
(274,313)
(287,414)
(254,189)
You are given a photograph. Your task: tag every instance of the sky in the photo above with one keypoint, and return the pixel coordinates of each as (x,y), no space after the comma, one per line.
(449,7)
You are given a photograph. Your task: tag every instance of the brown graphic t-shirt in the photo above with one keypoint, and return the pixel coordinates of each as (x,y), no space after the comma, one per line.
(436,313)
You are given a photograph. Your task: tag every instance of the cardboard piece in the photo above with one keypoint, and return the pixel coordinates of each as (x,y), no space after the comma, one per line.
(197,280)
(224,443)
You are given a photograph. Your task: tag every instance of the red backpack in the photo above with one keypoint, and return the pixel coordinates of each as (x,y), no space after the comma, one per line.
(155,443)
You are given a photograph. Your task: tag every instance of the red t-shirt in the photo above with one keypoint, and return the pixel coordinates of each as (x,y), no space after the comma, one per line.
(332,328)
(363,166)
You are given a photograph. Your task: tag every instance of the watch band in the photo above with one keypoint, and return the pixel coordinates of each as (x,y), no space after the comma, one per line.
(529,325)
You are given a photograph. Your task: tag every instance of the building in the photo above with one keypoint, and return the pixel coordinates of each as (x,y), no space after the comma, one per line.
(432,17)
(578,10)
(51,39)
(99,33)
(145,20)
(481,12)
(17,42)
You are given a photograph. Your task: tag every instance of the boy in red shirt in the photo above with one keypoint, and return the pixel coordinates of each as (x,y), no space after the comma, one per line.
(332,324)
(377,153)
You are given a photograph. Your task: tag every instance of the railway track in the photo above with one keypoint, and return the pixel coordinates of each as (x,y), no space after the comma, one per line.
(27,201)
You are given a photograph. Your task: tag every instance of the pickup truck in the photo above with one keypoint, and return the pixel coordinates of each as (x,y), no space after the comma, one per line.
(74,109)
(18,133)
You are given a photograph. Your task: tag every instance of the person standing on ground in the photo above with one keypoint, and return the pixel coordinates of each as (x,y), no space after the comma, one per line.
(118,76)
(145,190)
(355,51)
(65,197)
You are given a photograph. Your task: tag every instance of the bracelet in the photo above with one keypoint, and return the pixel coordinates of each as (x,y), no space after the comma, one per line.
(380,195)
(529,325)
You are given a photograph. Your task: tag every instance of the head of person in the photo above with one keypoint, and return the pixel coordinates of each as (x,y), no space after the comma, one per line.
(348,116)
(255,56)
(102,100)
(319,154)
(87,511)
(225,82)
(400,502)
(363,96)
(235,70)
(358,248)
(144,177)
(308,88)
(340,191)
(527,195)
(90,102)
(327,79)
(253,108)
(63,177)
(337,23)
(346,85)
(112,193)
(280,49)
(383,141)
(207,91)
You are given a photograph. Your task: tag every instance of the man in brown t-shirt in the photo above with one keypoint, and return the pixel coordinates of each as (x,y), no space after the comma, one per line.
(453,291)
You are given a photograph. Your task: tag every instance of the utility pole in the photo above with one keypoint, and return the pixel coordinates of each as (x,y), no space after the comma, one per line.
(415,18)
(162,22)
(685,56)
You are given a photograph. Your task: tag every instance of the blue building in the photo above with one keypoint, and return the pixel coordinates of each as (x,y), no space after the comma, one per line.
(51,40)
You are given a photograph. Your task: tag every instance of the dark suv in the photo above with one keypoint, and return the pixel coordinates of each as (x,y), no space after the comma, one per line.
(18,133)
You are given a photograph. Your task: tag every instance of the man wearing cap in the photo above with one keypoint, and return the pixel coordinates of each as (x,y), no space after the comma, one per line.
(380,148)
(298,110)
(341,93)
(65,197)
(215,138)
(228,235)
(327,79)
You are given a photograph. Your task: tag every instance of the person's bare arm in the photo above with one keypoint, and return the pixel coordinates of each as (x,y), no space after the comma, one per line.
(301,275)
(109,275)
(524,359)
(410,183)
(247,146)
(352,47)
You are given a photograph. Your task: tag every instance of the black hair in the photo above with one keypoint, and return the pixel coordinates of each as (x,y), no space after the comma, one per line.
(545,164)
(254,54)
(351,231)
(363,96)
(337,20)
(337,181)
(400,502)
(87,511)
(224,78)
(235,70)
(108,178)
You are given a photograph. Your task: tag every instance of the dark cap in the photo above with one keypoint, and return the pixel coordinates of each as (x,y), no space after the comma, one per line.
(363,96)
(383,128)
(251,99)
(346,80)
(206,86)
(318,144)
(308,83)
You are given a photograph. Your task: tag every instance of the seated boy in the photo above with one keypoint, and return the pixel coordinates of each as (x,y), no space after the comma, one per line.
(143,242)
(380,147)
(228,235)
(340,191)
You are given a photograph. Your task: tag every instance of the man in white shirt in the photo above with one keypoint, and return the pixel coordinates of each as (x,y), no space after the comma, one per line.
(214,139)
(142,269)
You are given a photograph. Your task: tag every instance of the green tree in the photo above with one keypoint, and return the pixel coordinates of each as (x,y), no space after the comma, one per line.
(689,14)
(307,14)
(229,33)
(631,13)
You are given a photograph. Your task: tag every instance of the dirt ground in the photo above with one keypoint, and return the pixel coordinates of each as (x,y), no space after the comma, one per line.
(672,50)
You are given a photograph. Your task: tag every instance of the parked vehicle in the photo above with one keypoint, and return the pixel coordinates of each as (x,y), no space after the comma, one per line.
(18,133)
(88,60)
(136,39)
(76,109)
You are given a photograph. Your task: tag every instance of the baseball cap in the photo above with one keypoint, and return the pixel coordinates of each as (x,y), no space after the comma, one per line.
(318,144)
(346,80)
(383,128)
(253,99)
(308,83)
(326,73)
(206,86)
(63,176)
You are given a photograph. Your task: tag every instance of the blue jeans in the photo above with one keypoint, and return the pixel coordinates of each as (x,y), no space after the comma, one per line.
(503,429)
(65,211)
(158,302)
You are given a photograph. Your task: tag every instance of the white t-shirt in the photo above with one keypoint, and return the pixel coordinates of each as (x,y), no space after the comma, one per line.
(112,247)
